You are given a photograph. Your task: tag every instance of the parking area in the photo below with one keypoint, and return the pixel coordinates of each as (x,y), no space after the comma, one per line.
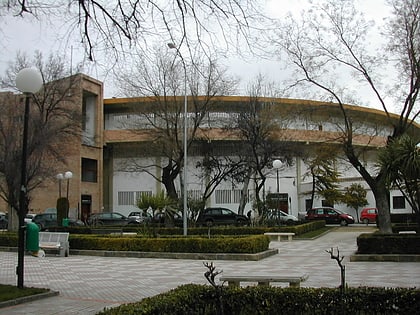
(88,284)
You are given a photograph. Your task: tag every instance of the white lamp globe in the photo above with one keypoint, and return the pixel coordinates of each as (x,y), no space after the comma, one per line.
(68,175)
(29,80)
(277,164)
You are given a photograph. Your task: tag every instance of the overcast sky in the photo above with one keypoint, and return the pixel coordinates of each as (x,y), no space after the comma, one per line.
(29,35)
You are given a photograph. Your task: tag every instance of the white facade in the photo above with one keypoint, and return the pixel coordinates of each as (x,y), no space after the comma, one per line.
(126,186)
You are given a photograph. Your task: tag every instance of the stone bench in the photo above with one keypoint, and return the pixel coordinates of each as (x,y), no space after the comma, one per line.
(294,281)
(279,235)
(55,241)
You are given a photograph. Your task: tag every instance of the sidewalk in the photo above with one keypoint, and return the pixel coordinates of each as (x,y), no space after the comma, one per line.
(88,284)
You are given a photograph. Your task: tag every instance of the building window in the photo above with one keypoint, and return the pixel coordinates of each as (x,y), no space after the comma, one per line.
(223,196)
(140,194)
(125,198)
(237,196)
(89,170)
(398,202)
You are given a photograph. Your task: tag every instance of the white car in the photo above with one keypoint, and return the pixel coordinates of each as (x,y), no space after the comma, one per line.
(281,216)
(29,217)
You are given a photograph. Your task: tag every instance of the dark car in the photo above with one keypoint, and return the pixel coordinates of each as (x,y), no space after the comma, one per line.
(110,218)
(330,215)
(368,215)
(46,220)
(4,222)
(168,218)
(220,216)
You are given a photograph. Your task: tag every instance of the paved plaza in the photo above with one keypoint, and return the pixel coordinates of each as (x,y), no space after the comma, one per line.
(89,284)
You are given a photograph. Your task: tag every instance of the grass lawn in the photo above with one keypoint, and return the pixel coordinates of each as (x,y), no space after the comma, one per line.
(10,292)
(315,233)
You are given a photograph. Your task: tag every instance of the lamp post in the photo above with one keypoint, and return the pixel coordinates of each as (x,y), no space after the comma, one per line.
(60,176)
(277,164)
(28,81)
(68,175)
(185,206)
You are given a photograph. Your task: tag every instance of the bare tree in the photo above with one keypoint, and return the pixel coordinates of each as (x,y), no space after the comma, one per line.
(330,40)
(258,131)
(118,24)
(54,121)
(162,81)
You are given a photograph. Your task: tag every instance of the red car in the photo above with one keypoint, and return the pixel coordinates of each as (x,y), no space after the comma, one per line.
(368,215)
(329,215)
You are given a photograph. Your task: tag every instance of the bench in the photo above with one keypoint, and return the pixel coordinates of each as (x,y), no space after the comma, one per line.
(273,235)
(55,241)
(294,282)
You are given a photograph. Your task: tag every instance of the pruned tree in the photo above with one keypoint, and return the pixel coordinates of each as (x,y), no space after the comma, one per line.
(331,40)
(54,121)
(258,131)
(355,197)
(162,118)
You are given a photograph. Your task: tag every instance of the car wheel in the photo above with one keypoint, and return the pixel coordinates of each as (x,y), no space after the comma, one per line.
(343,222)
(366,221)
(209,223)
(289,222)
(240,223)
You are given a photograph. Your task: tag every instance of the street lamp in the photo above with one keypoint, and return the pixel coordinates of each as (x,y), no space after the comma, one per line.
(277,164)
(28,81)
(68,175)
(173,46)
(60,176)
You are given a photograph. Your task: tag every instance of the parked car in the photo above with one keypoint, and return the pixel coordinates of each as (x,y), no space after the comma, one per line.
(220,216)
(280,216)
(110,218)
(4,222)
(29,217)
(140,216)
(330,215)
(47,220)
(368,215)
(174,218)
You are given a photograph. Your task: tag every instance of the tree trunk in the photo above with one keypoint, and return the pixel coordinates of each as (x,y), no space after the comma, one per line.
(168,182)
(244,195)
(382,203)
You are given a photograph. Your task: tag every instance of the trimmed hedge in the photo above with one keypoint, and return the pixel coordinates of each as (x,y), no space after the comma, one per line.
(153,231)
(247,244)
(203,299)
(376,243)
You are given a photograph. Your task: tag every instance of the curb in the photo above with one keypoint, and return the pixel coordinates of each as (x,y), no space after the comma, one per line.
(198,256)
(384,258)
(29,298)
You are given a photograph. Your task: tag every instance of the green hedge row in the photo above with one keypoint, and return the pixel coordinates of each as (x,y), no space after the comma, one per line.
(377,243)
(153,231)
(247,244)
(241,245)
(201,299)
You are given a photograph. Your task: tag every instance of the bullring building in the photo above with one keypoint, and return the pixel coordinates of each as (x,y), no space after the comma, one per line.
(129,144)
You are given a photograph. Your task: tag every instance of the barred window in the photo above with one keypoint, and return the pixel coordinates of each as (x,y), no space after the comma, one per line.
(125,198)
(141,193)
(237,195)
(223,196)
(195,194)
